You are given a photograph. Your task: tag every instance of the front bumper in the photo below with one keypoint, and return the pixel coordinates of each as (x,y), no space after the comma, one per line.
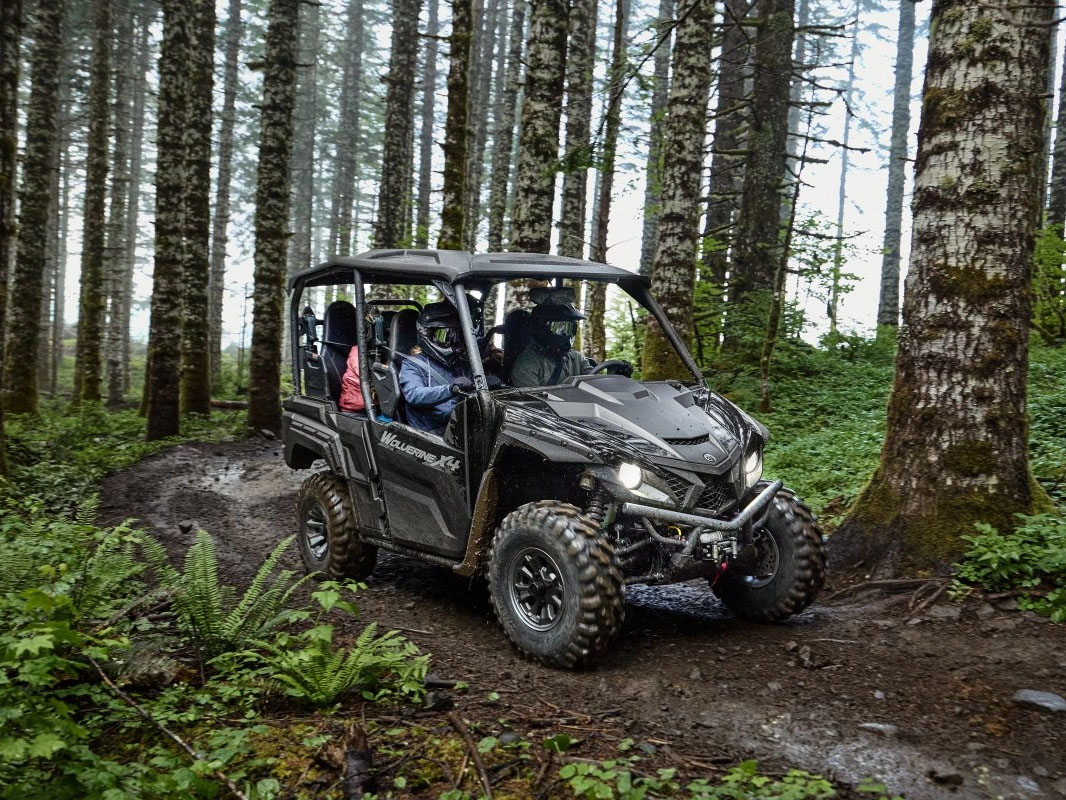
(699,522)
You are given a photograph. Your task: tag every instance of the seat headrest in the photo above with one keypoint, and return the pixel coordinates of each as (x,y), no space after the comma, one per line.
(403,334)
(340,325)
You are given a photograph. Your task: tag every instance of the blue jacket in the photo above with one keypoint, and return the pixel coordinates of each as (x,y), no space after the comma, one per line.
(427,388)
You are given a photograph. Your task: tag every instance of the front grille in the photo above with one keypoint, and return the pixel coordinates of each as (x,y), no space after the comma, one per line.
(678,485)
(714,496)
(689,442)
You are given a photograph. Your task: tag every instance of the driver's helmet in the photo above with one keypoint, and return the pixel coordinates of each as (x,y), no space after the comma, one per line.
(553,326)
(440,335)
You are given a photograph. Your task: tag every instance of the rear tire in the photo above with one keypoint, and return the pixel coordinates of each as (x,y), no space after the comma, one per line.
(790,568)
(328,536)
(555,584)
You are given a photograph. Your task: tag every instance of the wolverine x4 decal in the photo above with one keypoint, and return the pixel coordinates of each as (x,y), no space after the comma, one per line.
(444,462)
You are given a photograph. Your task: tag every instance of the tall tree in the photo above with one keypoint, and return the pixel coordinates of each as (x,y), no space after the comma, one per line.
(59,297)
(503,125)
(538,145)
(220,221)
(425,136)
(272,215)
(674,271)
(36,203)
(348,136)
(87,366)
(955,449)
(842,186)
(456,128)
(580,59)
(596,300)
(10,38)
(391,228)
(303,146)
(660,91)
(163,378)
(480,103)
(756,241)
(888,301)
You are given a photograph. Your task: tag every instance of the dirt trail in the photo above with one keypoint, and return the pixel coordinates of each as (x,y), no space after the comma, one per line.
(933,692)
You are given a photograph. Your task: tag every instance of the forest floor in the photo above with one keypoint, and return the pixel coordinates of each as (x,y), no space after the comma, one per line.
(857,686)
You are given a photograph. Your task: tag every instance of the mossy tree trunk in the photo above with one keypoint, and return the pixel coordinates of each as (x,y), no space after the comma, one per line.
(348,143)
(87,369)
(425,135)
(456,128)
(503,126)
(392,229)
(674,266)
(36,203)
(272,216)
(480,103)
(10,38)
(956,439)
(660,91)
(888,300)
(305,127)
(163,368)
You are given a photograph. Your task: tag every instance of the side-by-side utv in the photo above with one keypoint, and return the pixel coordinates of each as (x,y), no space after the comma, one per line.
(561,495)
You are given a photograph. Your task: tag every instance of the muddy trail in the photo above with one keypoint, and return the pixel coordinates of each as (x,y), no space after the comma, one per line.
(854,687)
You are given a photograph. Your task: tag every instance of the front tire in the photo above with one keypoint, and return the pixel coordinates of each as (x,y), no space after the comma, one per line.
(328,536)
(555,584)
(789,569)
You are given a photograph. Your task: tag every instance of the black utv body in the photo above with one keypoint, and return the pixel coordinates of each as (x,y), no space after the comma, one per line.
(560,496)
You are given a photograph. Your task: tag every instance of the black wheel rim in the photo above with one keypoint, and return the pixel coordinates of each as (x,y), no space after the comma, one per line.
(766,563)
(536,588)
(315,533)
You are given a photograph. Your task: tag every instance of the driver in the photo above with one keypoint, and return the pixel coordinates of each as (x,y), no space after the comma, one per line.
(549,357)
(437,370)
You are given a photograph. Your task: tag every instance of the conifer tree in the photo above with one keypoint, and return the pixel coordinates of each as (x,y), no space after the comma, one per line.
(456,128)
(503,127)
(10,36)
(425,136)
(653,169)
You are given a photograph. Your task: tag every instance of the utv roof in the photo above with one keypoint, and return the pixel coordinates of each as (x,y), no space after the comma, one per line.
(450,266)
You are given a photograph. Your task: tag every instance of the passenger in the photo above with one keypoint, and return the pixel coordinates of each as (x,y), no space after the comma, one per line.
(351,390)
(549,358)
(437,370)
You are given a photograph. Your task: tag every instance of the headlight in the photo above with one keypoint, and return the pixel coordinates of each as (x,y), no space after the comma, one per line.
(753,468)
(630,476)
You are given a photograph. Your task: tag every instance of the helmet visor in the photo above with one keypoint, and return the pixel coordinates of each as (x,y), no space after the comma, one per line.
(567,328)
(444,336)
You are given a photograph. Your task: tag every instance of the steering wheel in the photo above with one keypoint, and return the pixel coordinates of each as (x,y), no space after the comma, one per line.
(614,366)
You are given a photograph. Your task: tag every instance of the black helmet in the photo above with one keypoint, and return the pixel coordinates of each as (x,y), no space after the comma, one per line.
(554,325)
(440,335)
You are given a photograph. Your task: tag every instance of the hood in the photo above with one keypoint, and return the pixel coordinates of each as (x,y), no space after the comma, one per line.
(662,423)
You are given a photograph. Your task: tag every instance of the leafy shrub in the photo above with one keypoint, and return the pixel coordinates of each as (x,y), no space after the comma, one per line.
(1033,556)
(209,611)
(744,782)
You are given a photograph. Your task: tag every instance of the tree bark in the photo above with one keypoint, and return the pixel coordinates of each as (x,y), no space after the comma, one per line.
(1056,204)
(391,227)
(10,56)
(674,266)
(577,158)
(842,186)
(660,91)
(163,368)
(425,137)
(272,216)
(87,370)
(479,130)
(348,137)
(59,300)
(888,301)
(456,128)
(303,147)
(220,221)
(955,449)
(757,236)
(35,206)
(503,126)
(538,146)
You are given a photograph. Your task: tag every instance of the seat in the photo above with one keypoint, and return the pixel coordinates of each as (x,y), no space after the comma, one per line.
(403,336)
(515,339)
(340,330)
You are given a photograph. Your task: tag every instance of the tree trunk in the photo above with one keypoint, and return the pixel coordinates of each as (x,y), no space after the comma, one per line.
(347,145)
(674,271)
(1056,204)
(845,141)
(800,74)
(220,222)
(10,56)
(757,237)
(425,137)
(272,216)
(888,302)
(577,158)
(117,229)
(303,147)
(59,300)
(538,146)
(456,128)
(660,91)
(163,367)
(36,201)
(596,301)
(479,130)
(91,304)
(390,228)
(955,449)
(503,126)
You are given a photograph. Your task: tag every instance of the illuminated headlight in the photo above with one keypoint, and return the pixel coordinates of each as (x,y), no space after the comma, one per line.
(630,476)
(753,468)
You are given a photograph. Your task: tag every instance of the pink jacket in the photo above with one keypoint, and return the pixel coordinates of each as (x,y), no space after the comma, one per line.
(351,392)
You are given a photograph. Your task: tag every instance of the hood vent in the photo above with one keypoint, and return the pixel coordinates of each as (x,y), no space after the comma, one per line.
(689,442)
